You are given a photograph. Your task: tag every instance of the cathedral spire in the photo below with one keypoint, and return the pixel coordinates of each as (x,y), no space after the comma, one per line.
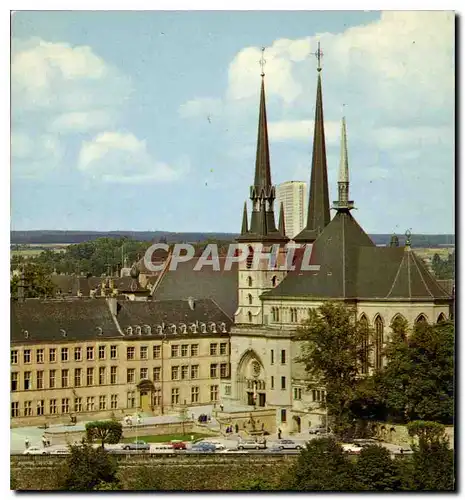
(343,202)
(318,216)
(281,224)
(245,225)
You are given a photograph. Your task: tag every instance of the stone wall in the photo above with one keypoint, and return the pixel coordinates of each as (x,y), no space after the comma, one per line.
(398,434)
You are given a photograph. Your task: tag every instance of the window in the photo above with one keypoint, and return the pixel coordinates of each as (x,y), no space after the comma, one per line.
(174,372)
(40,356)
(249,316)
(249,281)
(223,370)
(113,352)
(379,330)
(283,415)
(174,351)
(144,352)
(65,405)
(227,390)
(27,381)
(114,401)
(90,353)
(249,298)
(157,397)
(223,348)
(77,354)
(101,352)
(51,379)
(318,396)
(213,349)
(131,375)
(52,355)
(90,376)
(64,378)
(156,351)
(213,370)
(27,356)
(27,408)
(195,371)
(53,406)
(101,375)
(90,403)
(77,377)
(441,318)
(14,409)
(144,373)
(421,319)
(102,403)
(40,407)
(272,356)
(275,314)
(14,357)
(297,393)
(14,381)
(77,405)
(283,357)
(194,394)
(272,382)
(156,373)
(293,312)
(131,400)
(283,383)
(64,354)
(113,376)
(213,393)
(130,351)
(40,379)
(365,341)
(194,349)
(274,279)
(175,396)
(184,350)
(249,260)
(184,372)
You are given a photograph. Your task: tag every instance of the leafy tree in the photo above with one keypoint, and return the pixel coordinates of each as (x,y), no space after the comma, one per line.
(375,470)
(322,466)
(86,468)
(106,431)
(37,282)
(429,432)
(103,486)
(257,484)
(332,352)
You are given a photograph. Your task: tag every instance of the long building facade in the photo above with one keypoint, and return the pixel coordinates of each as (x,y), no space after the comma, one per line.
(293,196)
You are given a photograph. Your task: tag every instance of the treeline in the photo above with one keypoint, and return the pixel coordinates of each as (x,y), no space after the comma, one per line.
(444,269)
(50,237)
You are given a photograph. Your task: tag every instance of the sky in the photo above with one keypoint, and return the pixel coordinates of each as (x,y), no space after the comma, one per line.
(148,120)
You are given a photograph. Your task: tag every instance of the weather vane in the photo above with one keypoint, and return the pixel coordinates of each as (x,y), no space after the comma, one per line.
(263,62)
(319,55)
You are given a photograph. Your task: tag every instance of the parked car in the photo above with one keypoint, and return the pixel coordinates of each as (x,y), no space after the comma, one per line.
(161,448)
(288,444)
(35,450)
(352,448)
(178,445)
(216,444)
(250,444)
(136,445)
(60,451)
(203,448)
(317,430)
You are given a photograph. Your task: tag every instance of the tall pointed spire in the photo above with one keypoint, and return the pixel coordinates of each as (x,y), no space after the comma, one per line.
(343,202)
(281,224)
(318,216)
(262,193)
(245,225)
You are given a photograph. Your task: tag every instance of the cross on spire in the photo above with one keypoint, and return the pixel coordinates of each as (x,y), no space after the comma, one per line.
(319,55)
(263,62)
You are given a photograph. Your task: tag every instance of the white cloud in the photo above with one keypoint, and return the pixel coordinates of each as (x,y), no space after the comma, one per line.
(412,137)
(123,158)
(302,130)
(202,106)
(77,121)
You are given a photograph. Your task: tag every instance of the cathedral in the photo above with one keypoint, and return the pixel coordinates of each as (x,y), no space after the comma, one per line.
(380,282)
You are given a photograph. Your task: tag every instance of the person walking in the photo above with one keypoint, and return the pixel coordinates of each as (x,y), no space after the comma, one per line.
(26,443)
(279,433)
(44,441)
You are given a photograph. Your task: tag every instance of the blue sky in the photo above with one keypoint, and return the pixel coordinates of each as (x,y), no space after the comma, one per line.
(148,120)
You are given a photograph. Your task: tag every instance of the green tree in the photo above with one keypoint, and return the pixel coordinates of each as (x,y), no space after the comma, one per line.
(86,468)
(332,351)
(37,282)
(376,471)
(106,431)
(322,466)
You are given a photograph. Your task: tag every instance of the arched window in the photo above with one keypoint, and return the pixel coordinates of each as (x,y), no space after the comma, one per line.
(421,319)
(249,280)
(441,318)
(379,340)
(277,314)
(365,341)
(293,315)
(274,281)
(249,314)
(249,260)
(249,297)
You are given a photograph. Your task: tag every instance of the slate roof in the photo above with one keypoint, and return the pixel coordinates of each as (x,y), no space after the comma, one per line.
(353,268)
(184,282)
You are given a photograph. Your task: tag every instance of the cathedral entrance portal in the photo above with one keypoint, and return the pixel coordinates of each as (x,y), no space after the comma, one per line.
(251,385)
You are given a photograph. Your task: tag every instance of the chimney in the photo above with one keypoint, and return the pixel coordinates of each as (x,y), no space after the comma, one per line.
(191,302)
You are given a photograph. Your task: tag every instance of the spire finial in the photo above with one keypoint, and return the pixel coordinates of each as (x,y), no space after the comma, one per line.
(263,62)
(319,55)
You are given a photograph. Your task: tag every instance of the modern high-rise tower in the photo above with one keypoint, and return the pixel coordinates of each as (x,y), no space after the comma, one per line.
(293,196)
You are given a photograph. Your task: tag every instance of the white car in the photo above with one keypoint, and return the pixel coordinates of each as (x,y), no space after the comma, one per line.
(35,450)
(60,451)
(216,444)
(352,448)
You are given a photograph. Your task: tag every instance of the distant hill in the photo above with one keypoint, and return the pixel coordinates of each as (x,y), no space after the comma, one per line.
(55,237)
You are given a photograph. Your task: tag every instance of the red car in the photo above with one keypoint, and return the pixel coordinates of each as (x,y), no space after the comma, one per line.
(178,445)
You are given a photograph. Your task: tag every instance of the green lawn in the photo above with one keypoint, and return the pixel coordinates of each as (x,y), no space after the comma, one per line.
(164,438)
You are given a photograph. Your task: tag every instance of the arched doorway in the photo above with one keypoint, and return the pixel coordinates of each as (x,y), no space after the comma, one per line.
(297,424)
(145,388)
(251,379)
